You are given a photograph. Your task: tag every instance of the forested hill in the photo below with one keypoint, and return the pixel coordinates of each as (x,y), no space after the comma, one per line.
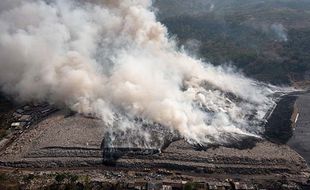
(268,40)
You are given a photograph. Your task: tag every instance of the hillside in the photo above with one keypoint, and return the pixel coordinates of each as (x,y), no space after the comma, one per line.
(267,40)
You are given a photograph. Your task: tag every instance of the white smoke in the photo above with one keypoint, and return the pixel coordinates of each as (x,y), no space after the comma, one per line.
(192,46)
(280,32)
(113,60)
(212,6)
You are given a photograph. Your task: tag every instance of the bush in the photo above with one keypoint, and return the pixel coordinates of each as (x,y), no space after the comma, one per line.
(28,178)
(73,178)
(60,177)
(3,177)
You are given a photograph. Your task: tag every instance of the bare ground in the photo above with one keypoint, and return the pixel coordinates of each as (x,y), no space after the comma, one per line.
(75,142)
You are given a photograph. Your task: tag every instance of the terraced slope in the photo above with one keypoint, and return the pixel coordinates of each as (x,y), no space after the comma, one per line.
(76,142)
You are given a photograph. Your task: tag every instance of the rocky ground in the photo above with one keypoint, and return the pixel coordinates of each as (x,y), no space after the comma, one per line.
(76,142)
(111,178)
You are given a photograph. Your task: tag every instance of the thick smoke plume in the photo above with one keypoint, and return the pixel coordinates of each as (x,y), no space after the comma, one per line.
(113,60)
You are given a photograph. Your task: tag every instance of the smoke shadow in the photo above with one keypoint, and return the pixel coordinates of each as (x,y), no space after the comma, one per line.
(110,154)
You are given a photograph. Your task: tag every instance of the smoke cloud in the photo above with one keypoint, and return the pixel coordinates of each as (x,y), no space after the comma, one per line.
(113,60)
(280,32)
(275,31)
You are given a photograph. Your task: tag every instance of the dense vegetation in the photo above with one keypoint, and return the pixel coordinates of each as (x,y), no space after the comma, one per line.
(267,40)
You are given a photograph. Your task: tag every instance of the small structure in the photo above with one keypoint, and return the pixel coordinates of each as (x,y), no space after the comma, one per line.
(17,125)
(212,185)
(166,187)
(16,115)
(240,186)
(46,111)
(25,118)
(200,185)
(20,111)
(295,116)
(223,185)
(154,185)
(140,185)
(27,108)
(29,114)
(176,185)
(219,185)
